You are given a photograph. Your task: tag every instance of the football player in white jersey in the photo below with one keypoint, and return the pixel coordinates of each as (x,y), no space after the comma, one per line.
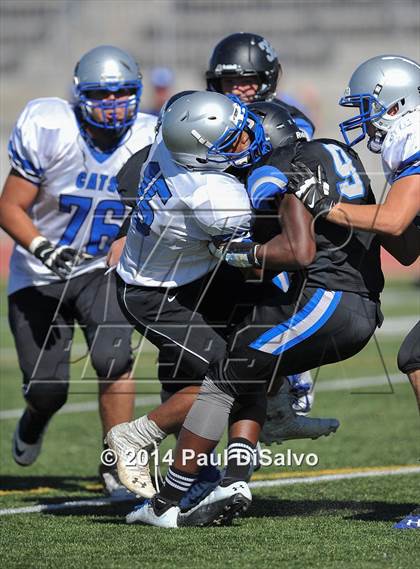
(166,272)
(61,207)
(386,91)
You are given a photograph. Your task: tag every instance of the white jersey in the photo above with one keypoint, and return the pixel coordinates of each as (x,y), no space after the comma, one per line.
(77,203)
(177,215)
(401,147)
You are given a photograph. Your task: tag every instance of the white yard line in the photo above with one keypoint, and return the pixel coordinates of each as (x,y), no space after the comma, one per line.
(83,407)
(145,400)
(333,477)
(387,471)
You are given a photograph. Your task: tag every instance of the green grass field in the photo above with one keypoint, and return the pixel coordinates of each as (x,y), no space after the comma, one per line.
(341,523)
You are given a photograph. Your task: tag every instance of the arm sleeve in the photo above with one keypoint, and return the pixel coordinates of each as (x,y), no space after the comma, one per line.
(264,183)
(401,148)
(25,147)
(409,167)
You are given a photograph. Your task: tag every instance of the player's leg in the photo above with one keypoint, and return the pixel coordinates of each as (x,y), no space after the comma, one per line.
(409,359)
(43,330)
(334,328)
(108,335)
(170,320)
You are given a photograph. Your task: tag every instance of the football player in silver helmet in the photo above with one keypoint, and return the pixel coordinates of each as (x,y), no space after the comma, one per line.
(61,207)
(386,91)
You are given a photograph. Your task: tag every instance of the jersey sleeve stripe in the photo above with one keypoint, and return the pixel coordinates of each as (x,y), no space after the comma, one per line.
(23,164)
(409,167)
(412,171)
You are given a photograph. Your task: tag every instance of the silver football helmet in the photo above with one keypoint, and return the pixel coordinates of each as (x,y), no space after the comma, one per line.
(384,88)
(199,130)
(101,72)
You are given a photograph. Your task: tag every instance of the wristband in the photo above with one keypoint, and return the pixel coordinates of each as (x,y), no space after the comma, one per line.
(36,242)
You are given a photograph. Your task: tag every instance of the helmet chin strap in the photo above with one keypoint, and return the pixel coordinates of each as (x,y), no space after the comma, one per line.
(375,142)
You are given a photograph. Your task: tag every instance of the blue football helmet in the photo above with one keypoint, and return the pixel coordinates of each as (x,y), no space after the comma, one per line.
(102,72)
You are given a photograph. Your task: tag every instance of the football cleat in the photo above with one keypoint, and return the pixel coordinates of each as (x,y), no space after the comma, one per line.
(145,514)
(108,476)
(25,453)
(283,424)
(219,507)
(208,479)
(134,473)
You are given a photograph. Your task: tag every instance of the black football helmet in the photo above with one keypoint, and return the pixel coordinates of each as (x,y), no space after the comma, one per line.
(279,127)
(245,55)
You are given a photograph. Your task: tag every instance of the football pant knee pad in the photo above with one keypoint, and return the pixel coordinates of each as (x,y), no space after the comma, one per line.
(46,396)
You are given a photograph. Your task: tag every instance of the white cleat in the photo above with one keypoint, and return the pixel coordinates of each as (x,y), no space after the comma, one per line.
(132,467)
(283,423)
(219,507)
(23,453)
(145,514)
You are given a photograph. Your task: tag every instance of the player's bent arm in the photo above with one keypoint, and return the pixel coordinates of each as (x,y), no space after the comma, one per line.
(406,247)
(295,247)
(17,197)
(115,251)
(391,218)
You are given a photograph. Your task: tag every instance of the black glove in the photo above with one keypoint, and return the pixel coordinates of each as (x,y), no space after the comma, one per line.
(312,190)
(240,254)
(60,260)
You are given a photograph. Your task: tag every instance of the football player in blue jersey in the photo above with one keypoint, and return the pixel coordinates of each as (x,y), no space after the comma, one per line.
(247,65)
(385,90)
(60,206)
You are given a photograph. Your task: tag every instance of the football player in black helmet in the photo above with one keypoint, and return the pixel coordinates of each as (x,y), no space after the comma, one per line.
(247,65)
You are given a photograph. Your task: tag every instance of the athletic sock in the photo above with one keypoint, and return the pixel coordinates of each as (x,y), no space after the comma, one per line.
(240,455)
(148,431)
(177,483)
(32,425)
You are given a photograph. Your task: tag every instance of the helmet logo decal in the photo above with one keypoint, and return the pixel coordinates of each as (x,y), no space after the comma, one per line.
(270,52)
(227,68)
(377,89)
(238,114)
